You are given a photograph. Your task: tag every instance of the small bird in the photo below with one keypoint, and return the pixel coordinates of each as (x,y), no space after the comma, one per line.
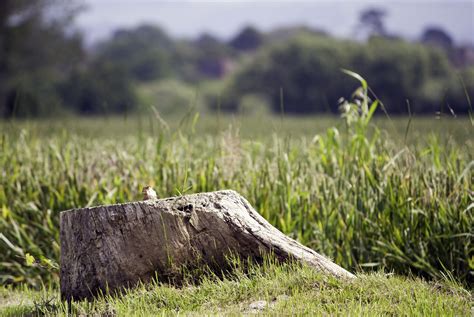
(149,193)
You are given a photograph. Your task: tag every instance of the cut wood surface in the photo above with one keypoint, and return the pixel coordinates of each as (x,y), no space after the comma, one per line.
(116,246)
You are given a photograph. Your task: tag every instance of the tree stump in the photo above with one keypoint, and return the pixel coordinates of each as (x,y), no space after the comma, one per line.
(116,246)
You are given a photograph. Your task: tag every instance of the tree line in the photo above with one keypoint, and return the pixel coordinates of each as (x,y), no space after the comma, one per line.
(45,69)
(304,74)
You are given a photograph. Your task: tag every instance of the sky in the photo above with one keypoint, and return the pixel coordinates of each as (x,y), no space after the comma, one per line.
(189,18)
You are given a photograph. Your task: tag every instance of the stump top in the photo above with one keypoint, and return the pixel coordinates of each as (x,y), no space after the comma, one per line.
(157,201)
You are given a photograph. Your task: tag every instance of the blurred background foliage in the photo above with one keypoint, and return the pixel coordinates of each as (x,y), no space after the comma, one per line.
(47,70)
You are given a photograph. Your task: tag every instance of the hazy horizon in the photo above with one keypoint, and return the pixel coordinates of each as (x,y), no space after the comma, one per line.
(224,18)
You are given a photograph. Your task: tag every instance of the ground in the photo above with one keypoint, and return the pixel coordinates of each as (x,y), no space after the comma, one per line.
(268,290)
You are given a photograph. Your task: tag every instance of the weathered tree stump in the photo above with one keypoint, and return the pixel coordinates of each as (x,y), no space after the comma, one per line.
(116,246)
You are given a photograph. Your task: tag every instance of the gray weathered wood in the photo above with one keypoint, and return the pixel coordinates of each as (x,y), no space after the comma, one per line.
(111,247)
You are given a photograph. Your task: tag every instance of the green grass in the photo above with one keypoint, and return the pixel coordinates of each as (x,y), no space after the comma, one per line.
(365,195)
(286,288)
(375,195)
(369,200)
(260,127)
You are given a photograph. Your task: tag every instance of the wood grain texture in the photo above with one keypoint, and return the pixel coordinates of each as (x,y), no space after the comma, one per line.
(116,246)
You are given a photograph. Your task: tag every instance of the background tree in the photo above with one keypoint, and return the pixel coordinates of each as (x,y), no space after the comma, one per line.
(45,70)
(102,88)
(35,55)
(143,52)
(436,36)
(372,21)
(248,39)
(306,72)
(212,56)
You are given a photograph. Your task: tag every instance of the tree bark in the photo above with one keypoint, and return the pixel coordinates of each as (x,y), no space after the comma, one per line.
(116,246)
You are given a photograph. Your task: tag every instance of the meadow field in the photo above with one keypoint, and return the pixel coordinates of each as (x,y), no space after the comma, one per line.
(386,196)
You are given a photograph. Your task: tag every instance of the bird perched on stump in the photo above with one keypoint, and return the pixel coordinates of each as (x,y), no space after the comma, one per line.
(148,193)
